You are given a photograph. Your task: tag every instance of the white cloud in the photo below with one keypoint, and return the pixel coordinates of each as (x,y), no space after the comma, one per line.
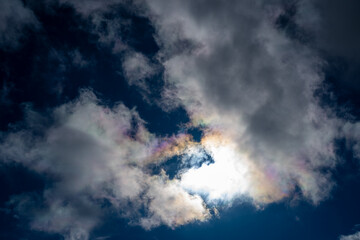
(237,74)
(355,236)
(172,205)
(241,79)
(94,154)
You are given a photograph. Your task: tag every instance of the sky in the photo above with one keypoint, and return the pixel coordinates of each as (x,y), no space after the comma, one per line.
(179,119)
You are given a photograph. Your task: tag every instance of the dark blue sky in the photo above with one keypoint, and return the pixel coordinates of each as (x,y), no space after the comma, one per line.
(50,51)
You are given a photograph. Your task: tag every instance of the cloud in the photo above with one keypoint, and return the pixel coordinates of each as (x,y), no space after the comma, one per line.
(243,81)
(63,60)
(87,8)
(137,68)
(94,156)
(78,59)
(139,71)
(109,29)
(4,93)
(15,19)
(238,74)
(335,26)
(105,21)
(355,236)
(73,221)
(68,59)
(172,205)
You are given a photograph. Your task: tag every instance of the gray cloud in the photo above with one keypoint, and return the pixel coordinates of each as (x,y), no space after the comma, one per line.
(65,59)
(87,7)
(14,19)
(109,30)
(334,25)
(68,59)
(335,29)
(4,93)
(246,79)
(138,69)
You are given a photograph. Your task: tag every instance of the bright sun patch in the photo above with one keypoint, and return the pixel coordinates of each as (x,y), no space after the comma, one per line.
(222,180)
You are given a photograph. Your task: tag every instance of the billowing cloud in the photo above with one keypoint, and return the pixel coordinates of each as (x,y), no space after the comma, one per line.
(172,205)
(240,75)
(243,81)
(92,155)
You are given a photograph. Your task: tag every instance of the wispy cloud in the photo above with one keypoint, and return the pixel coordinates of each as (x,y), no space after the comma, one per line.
(138,69)
(15,18)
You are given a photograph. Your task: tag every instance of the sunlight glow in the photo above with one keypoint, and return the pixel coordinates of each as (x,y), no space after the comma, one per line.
(222,180)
